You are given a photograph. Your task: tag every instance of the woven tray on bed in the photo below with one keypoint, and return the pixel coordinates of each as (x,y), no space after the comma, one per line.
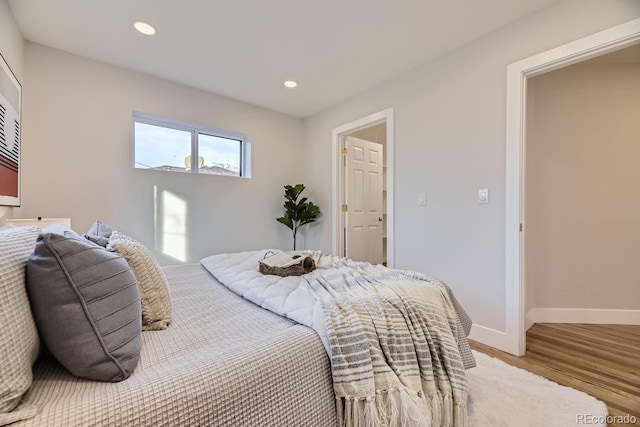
(306,265)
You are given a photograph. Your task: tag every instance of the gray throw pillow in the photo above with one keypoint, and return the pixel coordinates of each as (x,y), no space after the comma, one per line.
(19,340)
(86,304)
(152,283)
(99,233)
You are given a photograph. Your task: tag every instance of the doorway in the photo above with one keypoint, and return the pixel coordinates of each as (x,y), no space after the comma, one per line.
(621,36)
(362,211)
(581,176)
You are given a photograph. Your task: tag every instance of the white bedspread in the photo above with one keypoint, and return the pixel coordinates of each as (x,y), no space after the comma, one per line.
(286,296)
(297,298)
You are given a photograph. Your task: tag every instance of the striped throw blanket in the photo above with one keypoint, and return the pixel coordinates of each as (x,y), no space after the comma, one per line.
(394,342)
(396,338)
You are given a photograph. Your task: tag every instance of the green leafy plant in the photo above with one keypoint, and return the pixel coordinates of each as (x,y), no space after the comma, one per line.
(297,212)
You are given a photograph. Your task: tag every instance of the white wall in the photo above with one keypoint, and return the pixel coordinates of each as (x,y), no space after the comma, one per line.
(582,206)
(12,50)
(450,141)
(77,156)
(11,42)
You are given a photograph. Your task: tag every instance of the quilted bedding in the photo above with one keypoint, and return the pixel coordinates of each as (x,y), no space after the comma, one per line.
(395,338)
(291,298)
(222,362)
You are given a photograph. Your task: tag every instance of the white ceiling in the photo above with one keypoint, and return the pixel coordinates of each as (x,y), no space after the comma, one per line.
(245,49)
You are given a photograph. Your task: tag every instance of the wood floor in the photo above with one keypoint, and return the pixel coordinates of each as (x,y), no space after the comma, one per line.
(601,360)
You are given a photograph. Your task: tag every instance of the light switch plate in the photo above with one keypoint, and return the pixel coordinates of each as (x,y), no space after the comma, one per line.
(483,195)
(422,199)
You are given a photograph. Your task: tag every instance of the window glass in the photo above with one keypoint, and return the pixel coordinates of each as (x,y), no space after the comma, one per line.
(161,148)
(171,145)
(221,156)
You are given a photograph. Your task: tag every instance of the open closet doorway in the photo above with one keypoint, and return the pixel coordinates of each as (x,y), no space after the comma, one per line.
(362,190)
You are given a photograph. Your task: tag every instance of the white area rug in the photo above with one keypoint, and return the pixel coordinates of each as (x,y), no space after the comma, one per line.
(502,395)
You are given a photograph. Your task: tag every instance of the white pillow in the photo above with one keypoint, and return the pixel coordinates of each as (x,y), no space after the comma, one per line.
(19,342)
(152,283)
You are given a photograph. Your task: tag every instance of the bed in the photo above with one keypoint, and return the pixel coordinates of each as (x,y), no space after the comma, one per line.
(223,361)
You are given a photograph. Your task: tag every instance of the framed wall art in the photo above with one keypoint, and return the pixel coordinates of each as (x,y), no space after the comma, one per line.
(10,108)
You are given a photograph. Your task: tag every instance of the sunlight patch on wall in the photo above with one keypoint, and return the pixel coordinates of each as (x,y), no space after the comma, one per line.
(170,215)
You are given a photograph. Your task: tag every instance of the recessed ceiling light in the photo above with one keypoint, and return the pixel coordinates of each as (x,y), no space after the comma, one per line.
(290,84)
(144,28)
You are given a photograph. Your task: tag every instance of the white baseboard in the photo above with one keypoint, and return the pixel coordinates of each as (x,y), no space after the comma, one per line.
(488,336)
(528,319)
(501,341)
(582,315)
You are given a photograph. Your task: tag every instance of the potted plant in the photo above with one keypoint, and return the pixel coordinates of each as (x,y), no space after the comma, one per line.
(297,212)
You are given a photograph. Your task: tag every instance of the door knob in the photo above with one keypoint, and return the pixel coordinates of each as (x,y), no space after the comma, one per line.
(380,219)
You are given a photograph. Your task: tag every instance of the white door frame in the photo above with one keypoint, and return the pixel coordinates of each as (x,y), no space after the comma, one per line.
(337,178)
(518,73)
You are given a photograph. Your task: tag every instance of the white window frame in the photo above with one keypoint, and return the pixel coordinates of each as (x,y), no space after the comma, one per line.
(195,130)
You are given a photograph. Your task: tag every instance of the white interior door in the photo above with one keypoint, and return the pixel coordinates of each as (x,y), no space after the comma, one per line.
(364,216)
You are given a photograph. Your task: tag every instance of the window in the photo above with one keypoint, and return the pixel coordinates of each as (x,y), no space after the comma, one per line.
(171,145)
